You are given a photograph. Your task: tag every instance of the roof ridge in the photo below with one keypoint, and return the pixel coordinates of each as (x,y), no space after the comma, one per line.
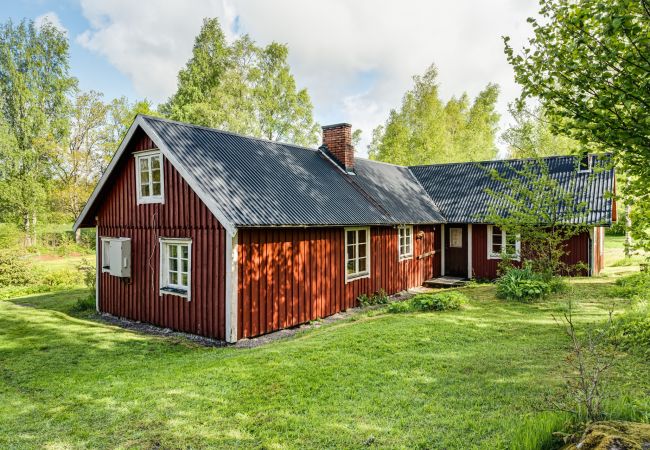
(499,160)
(232,133)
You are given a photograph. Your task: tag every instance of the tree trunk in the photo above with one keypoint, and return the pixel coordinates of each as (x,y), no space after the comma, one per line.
(628,231)
(33,230)
(28,236)
(77,236)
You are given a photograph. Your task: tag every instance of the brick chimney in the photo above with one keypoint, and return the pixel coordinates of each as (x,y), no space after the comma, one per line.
(338,140)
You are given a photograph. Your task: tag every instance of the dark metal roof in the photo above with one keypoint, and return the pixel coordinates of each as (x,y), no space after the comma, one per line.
(459,189)
(397,190)
(257,182)
(247,181)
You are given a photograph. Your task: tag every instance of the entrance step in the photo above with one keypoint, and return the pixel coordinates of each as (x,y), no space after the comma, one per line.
(445,282)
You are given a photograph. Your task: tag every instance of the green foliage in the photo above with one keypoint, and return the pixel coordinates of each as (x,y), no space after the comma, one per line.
(542,212)
(631,330)
(242,87)
(14,270)
(399,307)
(426,130)
(34,85)
(442,301)
(588,64)
(523,284)
(531,135)
(84,304)
(632,286)
(10,235)
(88,273)
(378,298)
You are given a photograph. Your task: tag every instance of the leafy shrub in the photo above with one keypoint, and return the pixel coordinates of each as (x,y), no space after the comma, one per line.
(84,304)
(14,271)
(399,307)
(62,278)
(87,270)
(631,286)
(441,301)
(10,235)
(378,298)
(524,285)
(631,331)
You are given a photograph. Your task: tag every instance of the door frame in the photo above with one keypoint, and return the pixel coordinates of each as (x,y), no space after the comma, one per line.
(443,242)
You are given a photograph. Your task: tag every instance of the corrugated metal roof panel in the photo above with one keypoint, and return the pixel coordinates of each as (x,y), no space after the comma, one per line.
(459,190)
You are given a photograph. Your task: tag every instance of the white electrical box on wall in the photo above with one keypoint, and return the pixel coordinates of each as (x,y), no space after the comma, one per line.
(116,256)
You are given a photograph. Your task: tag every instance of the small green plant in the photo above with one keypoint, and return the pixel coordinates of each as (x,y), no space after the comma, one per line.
(399,307)
(631,286)
(378,298)
(84,304)
(441,301)
(88,273)
(631,330)
(525,285)
(64,277)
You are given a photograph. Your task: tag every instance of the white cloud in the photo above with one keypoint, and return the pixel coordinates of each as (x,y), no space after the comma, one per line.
(356,58)
(52,18)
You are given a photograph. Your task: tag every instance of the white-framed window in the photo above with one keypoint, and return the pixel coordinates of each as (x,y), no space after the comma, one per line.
(175,266)
(106,254)
(150,180)
(500,243)
(357,253)
(405,242)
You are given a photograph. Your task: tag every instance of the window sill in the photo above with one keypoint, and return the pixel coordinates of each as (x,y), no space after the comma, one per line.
(359,276)
(106,270)
(498,257)
(175,291)
(150,200)
(406,257)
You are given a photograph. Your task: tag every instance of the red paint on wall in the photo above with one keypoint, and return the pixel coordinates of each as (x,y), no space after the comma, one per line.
(289,276)
(182,215)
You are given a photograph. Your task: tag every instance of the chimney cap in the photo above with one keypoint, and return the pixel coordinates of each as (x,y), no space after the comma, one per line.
(337,125)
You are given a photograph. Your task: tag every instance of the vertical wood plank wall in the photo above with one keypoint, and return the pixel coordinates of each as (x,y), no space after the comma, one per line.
(577,249)
(289,276)
(182,215)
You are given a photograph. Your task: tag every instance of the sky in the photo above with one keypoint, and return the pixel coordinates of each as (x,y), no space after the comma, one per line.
(355,57)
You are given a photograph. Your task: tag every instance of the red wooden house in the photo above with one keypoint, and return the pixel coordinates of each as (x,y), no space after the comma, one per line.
(230,237)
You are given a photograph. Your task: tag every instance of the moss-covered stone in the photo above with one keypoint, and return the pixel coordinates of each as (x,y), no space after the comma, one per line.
(614,435)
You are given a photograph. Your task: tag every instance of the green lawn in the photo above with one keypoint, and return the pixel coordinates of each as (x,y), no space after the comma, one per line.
(472,378)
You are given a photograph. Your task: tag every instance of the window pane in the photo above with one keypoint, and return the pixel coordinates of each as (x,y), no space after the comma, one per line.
(173,264)
(401,240)
(407,231)
(144,190)
(155,175)
(184,265)
(173,278)
(351,237)
(362,264)
(362,250)
(350,267)
(351,251)
(184,279)
(144,164)
(156,188)
(185,251)
(144,177)
(173,250)
(155,163)
(362,235)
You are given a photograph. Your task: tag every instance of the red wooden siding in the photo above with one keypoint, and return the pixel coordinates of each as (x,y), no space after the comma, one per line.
(577,249)
(182,215)
(289,276)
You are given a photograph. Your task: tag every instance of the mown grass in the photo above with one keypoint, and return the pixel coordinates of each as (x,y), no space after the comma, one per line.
(472,378)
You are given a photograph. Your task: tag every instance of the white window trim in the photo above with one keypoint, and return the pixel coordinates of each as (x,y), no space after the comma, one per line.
(492,255)
(104,256)
(151,198)
(405,256)
(163,286)
(359,275)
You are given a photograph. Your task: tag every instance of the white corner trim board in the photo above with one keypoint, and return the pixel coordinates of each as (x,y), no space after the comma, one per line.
(98,267)
(442,250)
(232,241)
(469,251)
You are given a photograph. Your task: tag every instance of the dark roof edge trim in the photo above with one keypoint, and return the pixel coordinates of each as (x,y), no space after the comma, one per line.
(191,181)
